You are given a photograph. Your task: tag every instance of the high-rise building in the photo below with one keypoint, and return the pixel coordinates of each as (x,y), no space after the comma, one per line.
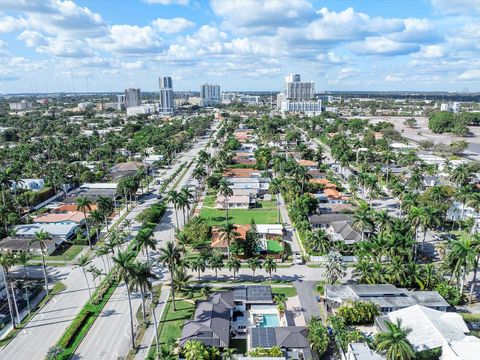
(295,89)
(22,105)
(120,102)
(132,98)
(209,94)
(167,105)
(298,97)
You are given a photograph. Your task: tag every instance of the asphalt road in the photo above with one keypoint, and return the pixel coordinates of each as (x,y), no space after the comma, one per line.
(103,343)
(306,293)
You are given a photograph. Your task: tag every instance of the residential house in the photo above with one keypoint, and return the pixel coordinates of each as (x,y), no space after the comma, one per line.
(361,351)
(241,173)
(336,208)
(467,348)
(29,184)
(317,174)
(71,208)
(122,170)
(386,296)
(153,159)
(269,236)
(69,217)
(21,244)
(242,314)
(58,231)
(308,164)
(244,158)
(343,231)
(243,135)
(92,191)
(322,221)
(233,202)
(430,328)
(335,197)
(256,185)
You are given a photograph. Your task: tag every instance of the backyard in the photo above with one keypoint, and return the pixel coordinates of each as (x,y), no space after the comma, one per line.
(264,213)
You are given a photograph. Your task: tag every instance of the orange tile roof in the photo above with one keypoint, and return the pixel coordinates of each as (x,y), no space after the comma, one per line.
(333,194)
(239,172)
(219,240)
(72,207)
(328,184)
(306,163)
(75,216)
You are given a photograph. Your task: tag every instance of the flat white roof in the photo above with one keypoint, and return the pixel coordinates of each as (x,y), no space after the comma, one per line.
(275,229)
(99,186)
(54,229)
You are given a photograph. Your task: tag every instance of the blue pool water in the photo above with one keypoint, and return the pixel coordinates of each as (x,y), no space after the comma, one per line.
(270,320)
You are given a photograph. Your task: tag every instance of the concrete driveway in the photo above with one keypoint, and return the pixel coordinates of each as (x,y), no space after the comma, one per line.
(306,292)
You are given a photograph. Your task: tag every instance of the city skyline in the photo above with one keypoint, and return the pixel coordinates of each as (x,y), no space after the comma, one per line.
(87,46)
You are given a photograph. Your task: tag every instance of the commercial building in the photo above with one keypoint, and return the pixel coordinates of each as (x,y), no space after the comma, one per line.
(167,104)
(145,109)
(133,98)
(120,102)
(21,105)
(453,107)
(209,94)
(298,97)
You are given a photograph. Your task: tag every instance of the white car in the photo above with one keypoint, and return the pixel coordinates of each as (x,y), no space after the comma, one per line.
(297,258)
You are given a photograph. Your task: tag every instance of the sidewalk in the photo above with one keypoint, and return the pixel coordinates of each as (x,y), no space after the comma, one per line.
(149,335)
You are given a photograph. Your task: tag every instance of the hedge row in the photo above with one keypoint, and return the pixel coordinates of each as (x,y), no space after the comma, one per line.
(74,328)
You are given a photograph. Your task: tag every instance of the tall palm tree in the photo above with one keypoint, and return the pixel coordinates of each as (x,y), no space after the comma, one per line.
(173,197)
(382,220)
(476,249)
(362,220)
(105,206)
(6,181)
(270,266)
(141,280)
(5,263)
(181,281)
(124,262)
(363,271)
(254,264)
(23,258)
(145,240)
(460,258)
(461,175)
(170,256)
(274,189)
(83,204)
(198,265)
(474,201)
(216,263)
(415,216)
(82,262)
(41,237)
(462,195)
(230,232)
(97,219)
(234,265)
(394,343)
(225,190)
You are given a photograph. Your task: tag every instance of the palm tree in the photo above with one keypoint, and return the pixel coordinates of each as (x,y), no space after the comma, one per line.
(233,264)
(274,189)
(362,220)
(415,216)
(82,205)
(476,249)
(105,206)
(82,262)
(181,281)
(461,175)
(461,257)
(388,157)
(173,197)
(145,241)
(270,266)
(216,263)
(225,190)
(334,267)
(41,237)
(462,195)
(231,233)
(5,181)
(97,219)
(199,173)
(198,265)
(394,343)
(382,220)
(23,258)
(254,264)
(5,263)
(170,256)
(363,271)
(124,262)
(474,202)
(141,280)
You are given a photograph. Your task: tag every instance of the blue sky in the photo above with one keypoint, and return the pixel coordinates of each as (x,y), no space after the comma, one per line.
(108,45)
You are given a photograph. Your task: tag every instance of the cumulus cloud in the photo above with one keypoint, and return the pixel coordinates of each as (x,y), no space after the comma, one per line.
(32,38)
(262,16)
(130,39)
(167,2)
(417,31)
(10,24)
(382,46)
(470,75)
(170,26)
(450,7)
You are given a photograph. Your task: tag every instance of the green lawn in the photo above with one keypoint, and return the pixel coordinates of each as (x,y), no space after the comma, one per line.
(274,246)
(68,255)
(287,291)
(172,322)
(264,213)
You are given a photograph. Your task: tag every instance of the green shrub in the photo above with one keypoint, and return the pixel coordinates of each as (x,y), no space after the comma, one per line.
(358,313)
(450,293)
(73,329)
(265,352)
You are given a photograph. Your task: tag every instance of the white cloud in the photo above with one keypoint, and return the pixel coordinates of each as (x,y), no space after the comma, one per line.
(170,26)
(432,52)
(417,31)
(470,75)
(393,78)
(65,47)
(32,38)
(332,59)
(382,46)
(10,24)
(133,65)
(130,39)
(167,2)
(347,73)
(452,7)
(259,16)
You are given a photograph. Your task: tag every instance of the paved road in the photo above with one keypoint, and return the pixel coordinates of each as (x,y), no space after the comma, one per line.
(103,343)
(306,291)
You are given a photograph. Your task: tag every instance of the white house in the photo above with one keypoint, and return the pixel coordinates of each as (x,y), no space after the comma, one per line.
(59,231)
(29,184)
(466,349)
(152,159)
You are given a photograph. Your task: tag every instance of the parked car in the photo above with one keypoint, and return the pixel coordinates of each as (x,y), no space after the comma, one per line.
(297,258)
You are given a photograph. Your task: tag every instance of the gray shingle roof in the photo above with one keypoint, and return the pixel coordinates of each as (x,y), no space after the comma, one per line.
(329,218)
(253,293)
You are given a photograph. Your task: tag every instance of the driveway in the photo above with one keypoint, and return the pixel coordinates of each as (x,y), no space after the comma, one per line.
(306,292)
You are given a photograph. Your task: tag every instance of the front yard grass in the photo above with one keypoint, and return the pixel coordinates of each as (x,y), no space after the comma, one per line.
(264,213)
(288,291)
(68,255)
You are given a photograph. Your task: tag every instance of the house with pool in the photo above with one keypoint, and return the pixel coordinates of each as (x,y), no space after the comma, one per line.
(246,318)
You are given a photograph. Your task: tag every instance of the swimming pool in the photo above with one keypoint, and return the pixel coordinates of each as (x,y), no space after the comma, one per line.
(270,320)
